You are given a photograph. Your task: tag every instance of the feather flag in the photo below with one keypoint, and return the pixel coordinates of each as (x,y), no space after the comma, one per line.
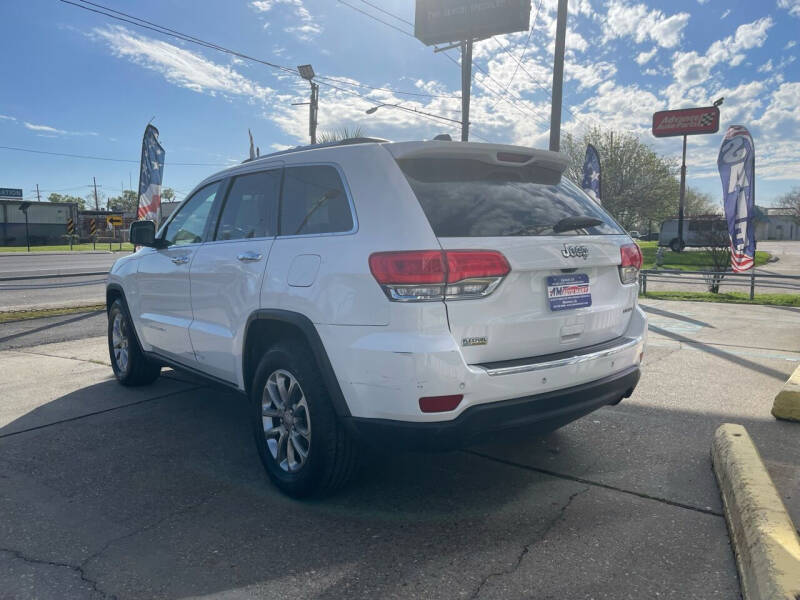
(736,162)
(151,172)
(591,174)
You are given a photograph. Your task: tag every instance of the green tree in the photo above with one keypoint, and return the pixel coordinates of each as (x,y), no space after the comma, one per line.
(338,135)
(699,203)
(127,202)
(53,197)
(90,200)
(638,185)
(167,194)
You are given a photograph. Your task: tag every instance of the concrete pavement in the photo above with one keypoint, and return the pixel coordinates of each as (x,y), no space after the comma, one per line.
(158,492)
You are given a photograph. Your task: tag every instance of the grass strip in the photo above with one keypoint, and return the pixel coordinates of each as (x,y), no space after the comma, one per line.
(688,260)
(24,315)
(728,297)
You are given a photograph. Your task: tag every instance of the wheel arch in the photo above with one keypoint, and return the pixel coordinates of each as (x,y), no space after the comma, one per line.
(266,326)
(114,292)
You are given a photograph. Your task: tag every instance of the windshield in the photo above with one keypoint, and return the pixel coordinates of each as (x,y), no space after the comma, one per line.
(469,198)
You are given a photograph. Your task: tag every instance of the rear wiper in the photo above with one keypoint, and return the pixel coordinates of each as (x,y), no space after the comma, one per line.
(570,223)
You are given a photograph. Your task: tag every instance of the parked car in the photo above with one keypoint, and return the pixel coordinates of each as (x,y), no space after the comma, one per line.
(419,294)
(697,233)
(634,234)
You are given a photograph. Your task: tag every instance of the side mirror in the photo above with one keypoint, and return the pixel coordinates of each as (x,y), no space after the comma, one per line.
(143,233)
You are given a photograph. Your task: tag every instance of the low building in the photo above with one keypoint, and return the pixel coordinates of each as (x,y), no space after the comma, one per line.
(778,224)
(47,222)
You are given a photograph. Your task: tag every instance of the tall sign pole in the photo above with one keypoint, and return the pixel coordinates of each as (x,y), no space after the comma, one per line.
(685,122)
(558,76)
(466,85)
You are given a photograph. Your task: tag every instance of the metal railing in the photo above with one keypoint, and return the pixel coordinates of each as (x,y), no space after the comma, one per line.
(751,280)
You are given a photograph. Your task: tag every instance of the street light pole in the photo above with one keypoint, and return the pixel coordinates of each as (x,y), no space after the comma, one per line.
(466,85)
(307,73)
(558,76)
(24,208)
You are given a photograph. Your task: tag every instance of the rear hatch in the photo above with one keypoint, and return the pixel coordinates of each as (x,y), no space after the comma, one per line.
(564,289)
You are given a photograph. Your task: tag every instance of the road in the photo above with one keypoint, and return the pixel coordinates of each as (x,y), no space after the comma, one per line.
(56,292)
(158,492)
(47,330)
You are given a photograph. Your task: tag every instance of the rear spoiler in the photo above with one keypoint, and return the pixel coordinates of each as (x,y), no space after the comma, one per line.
(495,154)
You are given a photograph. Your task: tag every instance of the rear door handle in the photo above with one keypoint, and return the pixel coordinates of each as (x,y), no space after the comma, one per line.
(180,260)
(250,256)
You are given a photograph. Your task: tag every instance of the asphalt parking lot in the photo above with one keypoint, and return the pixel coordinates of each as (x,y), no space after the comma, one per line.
(158,492)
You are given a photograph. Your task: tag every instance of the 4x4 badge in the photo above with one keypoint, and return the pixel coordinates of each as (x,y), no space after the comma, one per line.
(474,341)
(575,252)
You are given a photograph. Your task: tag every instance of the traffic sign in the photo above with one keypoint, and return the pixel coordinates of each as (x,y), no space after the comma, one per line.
(92,227)
(70,226)
(114,220)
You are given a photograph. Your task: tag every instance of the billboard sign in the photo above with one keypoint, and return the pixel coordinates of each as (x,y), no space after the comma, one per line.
(10,193)
(440,21)
(686,121)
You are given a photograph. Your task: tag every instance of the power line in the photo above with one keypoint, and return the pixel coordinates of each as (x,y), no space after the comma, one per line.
(386,12)
(105,158)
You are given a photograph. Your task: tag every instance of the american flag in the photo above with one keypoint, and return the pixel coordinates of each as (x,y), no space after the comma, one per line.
(150,175)
(736,164)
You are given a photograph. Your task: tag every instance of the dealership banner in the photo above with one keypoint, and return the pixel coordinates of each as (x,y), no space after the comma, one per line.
(151,172)
(736,162)
(591,183)
(686,121)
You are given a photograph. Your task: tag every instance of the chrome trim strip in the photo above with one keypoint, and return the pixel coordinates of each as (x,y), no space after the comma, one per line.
(562,362)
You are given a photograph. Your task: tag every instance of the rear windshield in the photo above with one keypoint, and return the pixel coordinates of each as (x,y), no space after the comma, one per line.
(469,198)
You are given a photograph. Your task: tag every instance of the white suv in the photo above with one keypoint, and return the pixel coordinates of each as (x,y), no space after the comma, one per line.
(428,294)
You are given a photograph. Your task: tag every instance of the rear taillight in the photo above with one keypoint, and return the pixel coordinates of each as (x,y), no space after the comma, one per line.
(427,275)
(630,264)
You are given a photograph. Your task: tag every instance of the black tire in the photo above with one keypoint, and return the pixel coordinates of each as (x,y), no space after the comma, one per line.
(135,369)
(677,245)
(331,453)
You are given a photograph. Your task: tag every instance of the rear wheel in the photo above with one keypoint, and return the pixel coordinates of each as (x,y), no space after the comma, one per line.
(303,446)
(677,245)
(129,363)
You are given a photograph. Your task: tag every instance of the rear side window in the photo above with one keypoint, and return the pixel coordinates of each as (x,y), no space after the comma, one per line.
(314,201)
(469,198)
(251,209)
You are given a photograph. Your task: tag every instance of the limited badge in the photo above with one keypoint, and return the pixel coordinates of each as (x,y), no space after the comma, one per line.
(474,341)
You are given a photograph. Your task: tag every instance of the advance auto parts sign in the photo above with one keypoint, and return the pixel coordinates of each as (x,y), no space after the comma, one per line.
(439,21)
(686,121)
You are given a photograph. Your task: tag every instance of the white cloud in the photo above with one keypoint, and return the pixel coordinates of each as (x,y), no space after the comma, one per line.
(178,66)
(308,28)
(790,44)
(640,23)
(793,6)
(726,13)
(691,68)
(644,57)
(52,131)
(783,112)
(7,118)
(766,67)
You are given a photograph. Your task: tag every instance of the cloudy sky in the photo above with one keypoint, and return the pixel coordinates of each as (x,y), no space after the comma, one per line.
(77,82)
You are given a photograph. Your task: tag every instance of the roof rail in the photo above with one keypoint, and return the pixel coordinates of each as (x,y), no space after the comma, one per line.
(344,142)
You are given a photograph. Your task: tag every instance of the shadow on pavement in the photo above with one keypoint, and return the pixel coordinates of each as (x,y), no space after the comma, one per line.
(672,315)
(167,498)
(50,326)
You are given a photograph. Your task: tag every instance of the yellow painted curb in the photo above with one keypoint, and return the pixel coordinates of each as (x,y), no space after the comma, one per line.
(787,402)
(764,539)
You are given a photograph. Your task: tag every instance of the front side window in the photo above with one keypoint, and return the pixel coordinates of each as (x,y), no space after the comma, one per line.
(470,198)
(251,208)
(314,201)
(189,224)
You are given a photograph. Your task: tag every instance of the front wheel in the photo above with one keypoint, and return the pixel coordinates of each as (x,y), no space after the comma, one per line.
(303,446)
(129,363)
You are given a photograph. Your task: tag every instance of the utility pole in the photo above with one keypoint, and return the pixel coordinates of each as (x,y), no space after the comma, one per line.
(558,76)
(683,196)
(96,203)
(466,85)
(38,196)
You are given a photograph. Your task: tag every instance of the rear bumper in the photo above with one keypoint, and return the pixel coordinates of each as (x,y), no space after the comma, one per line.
(487,422)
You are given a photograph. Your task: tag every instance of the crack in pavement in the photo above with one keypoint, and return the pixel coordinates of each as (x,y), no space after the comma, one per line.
(526,548)
(577,479)
(80,568)
(100,412)
(76,568)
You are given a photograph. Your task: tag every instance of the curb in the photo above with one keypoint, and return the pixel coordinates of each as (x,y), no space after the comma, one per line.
(787,403)
(763,536)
